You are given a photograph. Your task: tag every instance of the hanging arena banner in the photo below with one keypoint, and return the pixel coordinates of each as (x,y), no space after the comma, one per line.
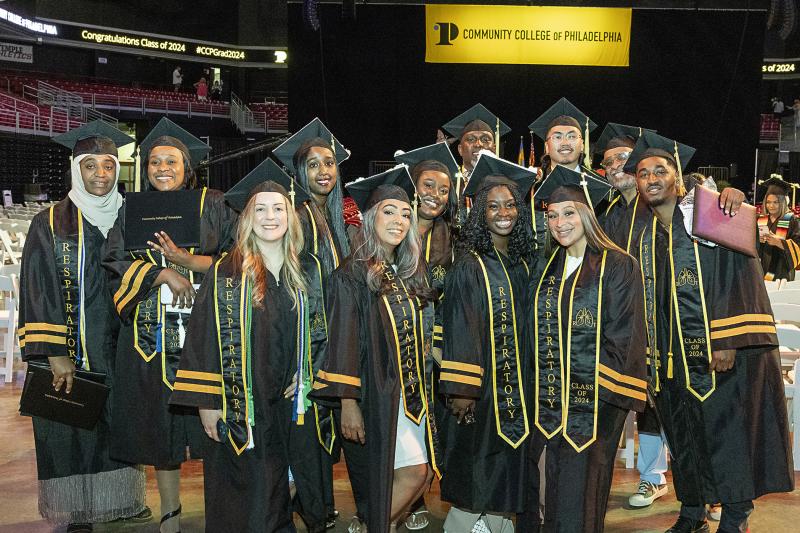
(535,35)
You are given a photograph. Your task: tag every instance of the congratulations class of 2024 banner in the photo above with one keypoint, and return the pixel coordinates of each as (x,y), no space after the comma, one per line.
(536,35)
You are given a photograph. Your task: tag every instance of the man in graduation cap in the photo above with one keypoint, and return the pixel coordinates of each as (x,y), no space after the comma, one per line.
(271,373)
(65,324)
(146,430)
(485,368)
(476,129)
(377,348)
(312,156)
(565,131)
(779,232)
(715,364)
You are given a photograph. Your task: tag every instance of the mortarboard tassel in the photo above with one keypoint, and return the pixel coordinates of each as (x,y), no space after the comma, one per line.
(678,162)
(587,158)
(291,191)
(137,173)
(584,184)
(497,138)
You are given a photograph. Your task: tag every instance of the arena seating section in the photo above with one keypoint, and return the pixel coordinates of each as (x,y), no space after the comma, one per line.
(33,160)
(109,97)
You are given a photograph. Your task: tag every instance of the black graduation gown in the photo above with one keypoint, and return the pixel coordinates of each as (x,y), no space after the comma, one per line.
(623,221)
(78,482)
(319,239)
(362,365)
(480,471)
(782,262)
(147,430)
(578,483)
(249,492)
(734,446)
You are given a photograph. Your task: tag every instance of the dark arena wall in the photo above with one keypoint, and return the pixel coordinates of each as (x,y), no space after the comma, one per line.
(694,76)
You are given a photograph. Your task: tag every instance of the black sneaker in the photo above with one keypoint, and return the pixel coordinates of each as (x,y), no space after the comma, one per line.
(687,525)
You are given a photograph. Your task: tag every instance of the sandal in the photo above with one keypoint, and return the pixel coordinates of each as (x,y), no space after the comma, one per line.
(418,520)
(173,514)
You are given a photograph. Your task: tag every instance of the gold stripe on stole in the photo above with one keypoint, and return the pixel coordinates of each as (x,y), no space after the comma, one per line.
(536,349)
(200,376)
(520,383)
(689,386)
(633,223)
(81,313)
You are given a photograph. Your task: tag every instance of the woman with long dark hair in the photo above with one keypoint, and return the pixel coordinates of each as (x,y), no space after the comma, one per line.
(778,233)
(584,314)
(376,347)
(247,363)
(146,430)
(484,368)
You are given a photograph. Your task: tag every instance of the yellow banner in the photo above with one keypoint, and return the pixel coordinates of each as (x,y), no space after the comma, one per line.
(537,35)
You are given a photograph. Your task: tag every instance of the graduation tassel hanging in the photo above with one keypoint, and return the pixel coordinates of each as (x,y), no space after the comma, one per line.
(497,138)
(291,192)
(137,176)
(587,158)
(678,162)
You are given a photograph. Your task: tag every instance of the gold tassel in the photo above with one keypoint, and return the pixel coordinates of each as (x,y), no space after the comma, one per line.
(678,162)
(587,158)
(291,191)
(301,420)
(137,172)
(497,138)
(669,365)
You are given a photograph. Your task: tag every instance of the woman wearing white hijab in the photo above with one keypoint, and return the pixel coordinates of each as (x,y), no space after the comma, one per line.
(67,323)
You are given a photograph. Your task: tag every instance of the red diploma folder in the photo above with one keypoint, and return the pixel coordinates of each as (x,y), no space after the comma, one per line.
(712,224)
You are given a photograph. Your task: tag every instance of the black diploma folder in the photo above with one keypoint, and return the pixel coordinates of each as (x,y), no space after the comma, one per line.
(175,212)
(80,408)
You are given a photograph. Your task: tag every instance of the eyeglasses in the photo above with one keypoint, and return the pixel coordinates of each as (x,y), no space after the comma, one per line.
(616,158)
(570,137)
(314,164)
(659,173)
(483,139)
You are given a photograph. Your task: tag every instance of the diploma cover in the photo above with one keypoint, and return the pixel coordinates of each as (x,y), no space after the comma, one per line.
(712,224)
(175,212)
(80,408)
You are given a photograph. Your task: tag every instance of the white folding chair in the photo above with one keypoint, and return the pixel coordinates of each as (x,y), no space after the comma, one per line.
(789,338)
(791,285)
(8,323)
(785,296)
(11,251)
(625,450)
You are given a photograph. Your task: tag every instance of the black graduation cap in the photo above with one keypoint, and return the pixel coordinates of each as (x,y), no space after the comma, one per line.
(490,165)
(613,131)
(649,141)
(563,107)
(436,152)
(267,170)
(777,185)
(315,129)
(564,184)
(96,137)
(394,184)
(458,126)
(166,128)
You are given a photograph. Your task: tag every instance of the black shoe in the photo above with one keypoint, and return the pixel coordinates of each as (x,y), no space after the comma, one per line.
(173,514)
(687,525)
(330,521)
(79,528)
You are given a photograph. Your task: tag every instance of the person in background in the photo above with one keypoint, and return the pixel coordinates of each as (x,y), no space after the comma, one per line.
(216,91)
(66,322)
(177,79)
(778,233)
(202,90)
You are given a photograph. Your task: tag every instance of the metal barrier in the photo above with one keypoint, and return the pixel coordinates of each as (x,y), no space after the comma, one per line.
(716,173)
(245,119)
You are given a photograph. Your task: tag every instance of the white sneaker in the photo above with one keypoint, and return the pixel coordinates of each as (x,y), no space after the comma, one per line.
(647,494)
